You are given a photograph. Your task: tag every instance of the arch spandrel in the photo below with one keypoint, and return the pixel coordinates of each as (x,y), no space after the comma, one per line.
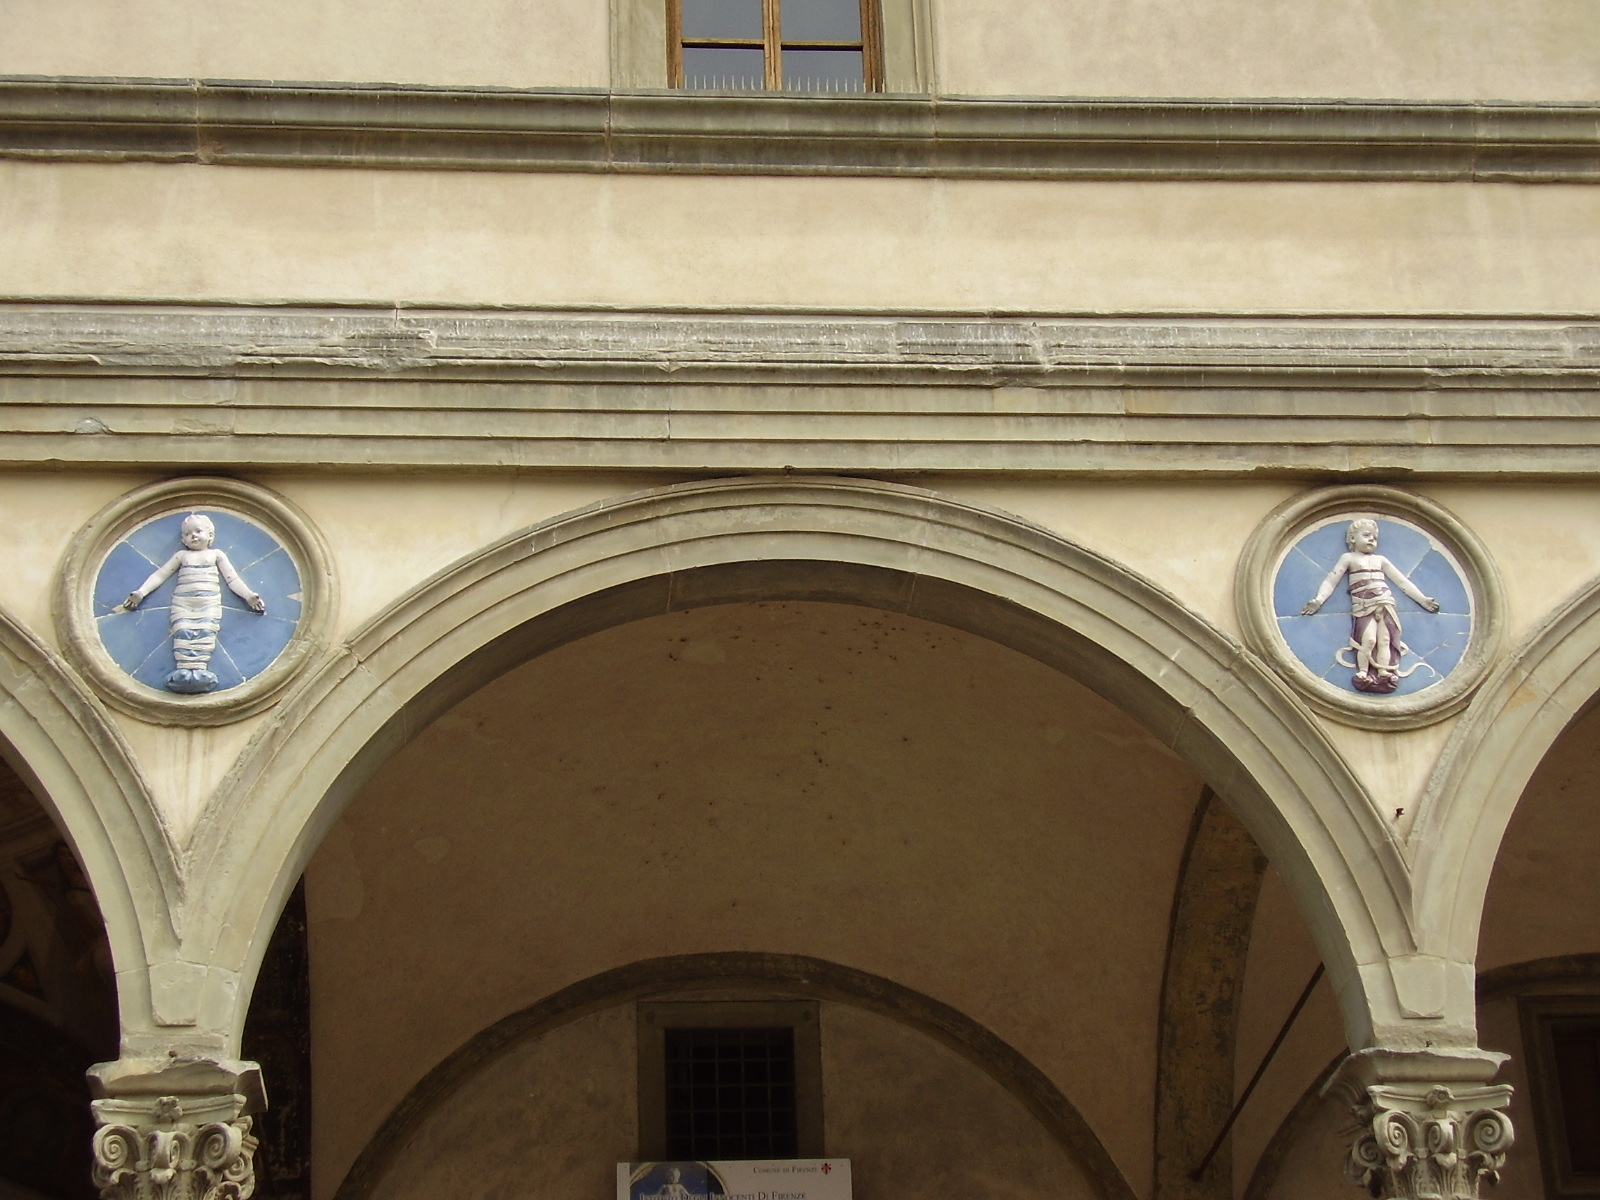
(1541,687)
(65,747)
(858,542)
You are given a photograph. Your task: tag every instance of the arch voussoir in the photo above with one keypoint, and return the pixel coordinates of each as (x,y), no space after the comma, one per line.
(60,740)
(1543,685)
(849,541)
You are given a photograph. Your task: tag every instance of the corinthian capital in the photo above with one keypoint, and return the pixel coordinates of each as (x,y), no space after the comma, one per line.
(1427,1141)
(174,1148)
(1429,1125)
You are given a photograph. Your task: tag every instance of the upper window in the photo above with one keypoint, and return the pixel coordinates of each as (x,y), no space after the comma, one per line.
(813,46)
(729,1080)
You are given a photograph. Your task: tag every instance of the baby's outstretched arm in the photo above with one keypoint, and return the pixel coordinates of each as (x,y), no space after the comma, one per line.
(238,586)
(1405,585)
(157,577)
(1328,584)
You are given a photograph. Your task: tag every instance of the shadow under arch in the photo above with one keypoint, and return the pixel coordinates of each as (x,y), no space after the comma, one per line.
(850,541)
(1550,680)
(791,973)
(64,747)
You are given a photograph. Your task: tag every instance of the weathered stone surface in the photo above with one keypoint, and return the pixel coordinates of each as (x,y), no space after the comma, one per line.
(242,385)
(366,125)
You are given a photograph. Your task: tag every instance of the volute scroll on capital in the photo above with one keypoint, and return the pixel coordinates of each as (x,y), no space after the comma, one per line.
(174,1148)
(1428,1125)
(1381,608)
(1433,1143)
(194,601)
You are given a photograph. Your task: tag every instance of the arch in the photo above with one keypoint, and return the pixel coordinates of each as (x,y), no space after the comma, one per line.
(59,739)
(875,544)
(1544,685)
(791,973)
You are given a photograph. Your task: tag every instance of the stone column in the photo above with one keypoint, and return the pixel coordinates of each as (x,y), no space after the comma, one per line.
(175,1130)
(1429,1125)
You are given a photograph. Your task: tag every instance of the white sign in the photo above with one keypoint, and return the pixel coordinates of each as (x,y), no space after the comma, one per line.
(754,1179)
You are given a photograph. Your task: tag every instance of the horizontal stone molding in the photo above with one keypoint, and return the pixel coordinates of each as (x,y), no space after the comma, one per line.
(240,385)
(248,123)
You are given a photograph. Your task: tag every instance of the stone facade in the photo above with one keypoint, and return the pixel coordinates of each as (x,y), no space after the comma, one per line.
(907,554)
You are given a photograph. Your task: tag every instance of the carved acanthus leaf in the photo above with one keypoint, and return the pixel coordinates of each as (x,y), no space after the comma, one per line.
(163,1149)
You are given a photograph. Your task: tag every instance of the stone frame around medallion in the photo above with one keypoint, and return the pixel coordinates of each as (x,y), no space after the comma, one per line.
(80,639)
(1285,525)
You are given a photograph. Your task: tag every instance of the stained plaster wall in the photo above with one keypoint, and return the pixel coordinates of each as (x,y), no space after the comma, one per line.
(1313,1168)
(1282,959)
(1545,50)
(1544,896)
(798,778)
(549,1118)
(200,232)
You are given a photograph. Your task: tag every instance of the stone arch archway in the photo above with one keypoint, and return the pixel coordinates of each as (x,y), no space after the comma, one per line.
(64,747)
(1540,688)
(868,543)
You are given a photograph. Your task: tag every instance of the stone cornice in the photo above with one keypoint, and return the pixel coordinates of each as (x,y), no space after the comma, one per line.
(360,125)
(279,386)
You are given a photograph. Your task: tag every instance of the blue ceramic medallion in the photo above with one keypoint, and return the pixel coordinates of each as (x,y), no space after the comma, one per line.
(194,627)
(1375,631)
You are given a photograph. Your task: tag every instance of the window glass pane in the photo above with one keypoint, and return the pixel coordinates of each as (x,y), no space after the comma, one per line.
(823,71)
(722,19)
(821,20)
(723,67)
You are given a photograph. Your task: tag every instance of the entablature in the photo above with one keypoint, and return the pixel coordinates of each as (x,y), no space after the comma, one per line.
(280,386)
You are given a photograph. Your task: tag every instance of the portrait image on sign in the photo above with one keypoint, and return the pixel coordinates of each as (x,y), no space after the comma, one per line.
(744,1179)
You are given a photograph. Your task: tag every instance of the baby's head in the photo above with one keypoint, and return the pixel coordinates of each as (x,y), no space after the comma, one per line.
(1363,528)
(197,532)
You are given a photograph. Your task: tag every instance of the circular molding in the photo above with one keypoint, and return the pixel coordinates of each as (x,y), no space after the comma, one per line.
(270,514)
(1458,550)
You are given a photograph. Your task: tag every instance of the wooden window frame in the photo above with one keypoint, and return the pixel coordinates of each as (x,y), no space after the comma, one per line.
(772,45)
(656,1017)
(1539,1017)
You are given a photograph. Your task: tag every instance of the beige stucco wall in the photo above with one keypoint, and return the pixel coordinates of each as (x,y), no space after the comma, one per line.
(550,1117)
(1418,50)
(1432,49)
(462,42)
(832,781)
(201,232)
